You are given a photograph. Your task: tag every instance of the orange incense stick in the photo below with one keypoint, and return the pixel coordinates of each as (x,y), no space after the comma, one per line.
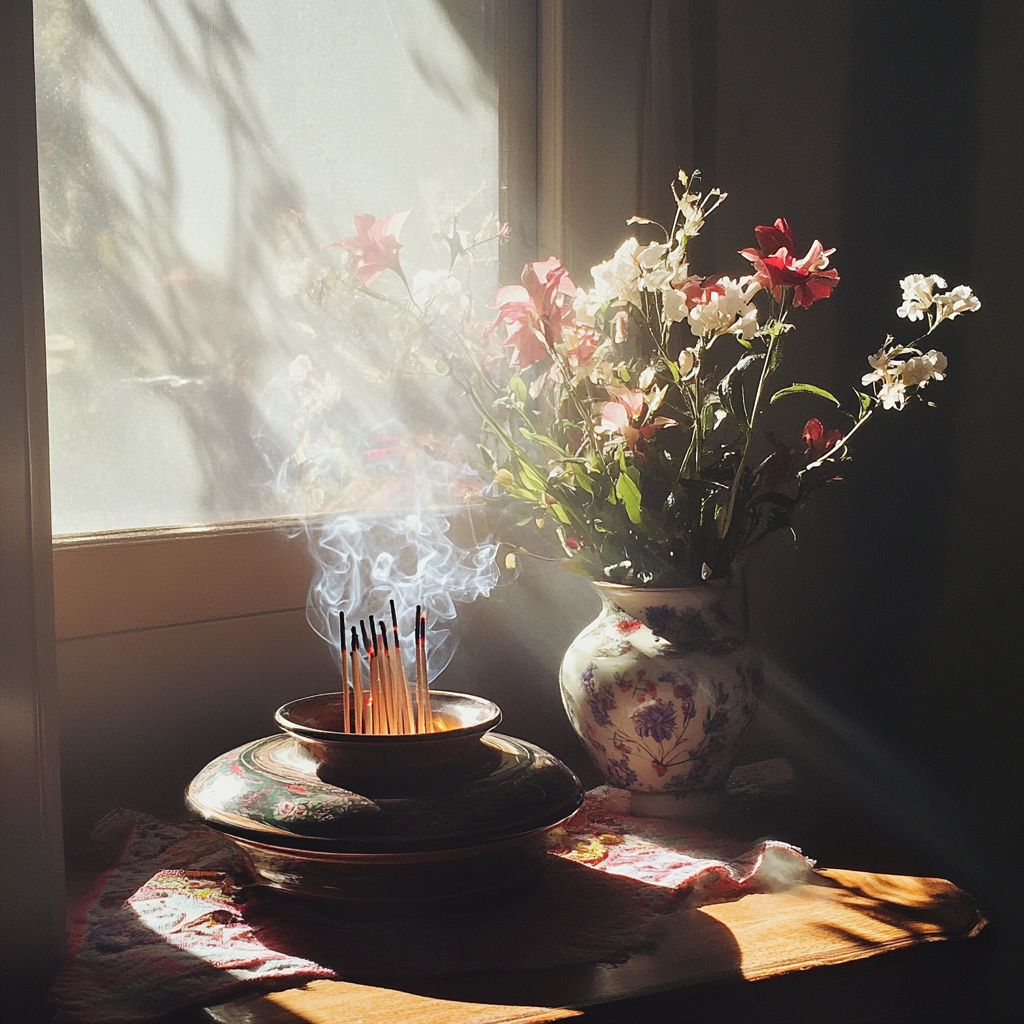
(388,681)
(358,696)
(376,704)
(401,681)
(345,704)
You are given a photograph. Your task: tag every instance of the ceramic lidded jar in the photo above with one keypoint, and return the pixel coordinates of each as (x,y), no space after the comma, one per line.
(660,687)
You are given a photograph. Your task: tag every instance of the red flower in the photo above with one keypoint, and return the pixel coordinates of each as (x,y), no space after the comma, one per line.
(628,625)
(817,441)
(776,268)
(659,767)
(572,543)
(374,245)
(536,310)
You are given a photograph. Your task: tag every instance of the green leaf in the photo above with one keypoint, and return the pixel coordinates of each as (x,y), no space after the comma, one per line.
(776,353)
(582,479)
(864,399)
(531,478)
(560,514)
(543,439)
(808,389)
(518,388)
(630,495)
(731,393)
(707,417)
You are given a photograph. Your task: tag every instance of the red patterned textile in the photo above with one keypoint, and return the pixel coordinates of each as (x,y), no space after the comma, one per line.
(175,924)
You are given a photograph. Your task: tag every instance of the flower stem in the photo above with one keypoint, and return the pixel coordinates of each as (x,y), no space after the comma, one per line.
(726,520)
(836,449)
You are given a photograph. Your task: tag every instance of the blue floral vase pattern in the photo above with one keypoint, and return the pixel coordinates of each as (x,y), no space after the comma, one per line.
(660,687)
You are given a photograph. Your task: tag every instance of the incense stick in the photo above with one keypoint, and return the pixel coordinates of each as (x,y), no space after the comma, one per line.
(403,682)
(421,719)
(388,682)
(359,722)
(383,703)
(343,658)
(383,683)
(422,679)
(426,672)
(375,705)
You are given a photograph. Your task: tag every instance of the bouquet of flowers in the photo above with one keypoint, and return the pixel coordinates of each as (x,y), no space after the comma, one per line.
(629,415)
(632,419)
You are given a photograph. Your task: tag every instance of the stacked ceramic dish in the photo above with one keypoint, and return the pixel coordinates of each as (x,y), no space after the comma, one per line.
(411,820)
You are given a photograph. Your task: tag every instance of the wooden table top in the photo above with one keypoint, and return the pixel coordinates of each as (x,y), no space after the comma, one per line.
(836,918)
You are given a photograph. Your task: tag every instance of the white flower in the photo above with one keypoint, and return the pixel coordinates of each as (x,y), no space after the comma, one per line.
(883,366)
(619,277)
(649,256)
(917,295)
(893,394)
(885,371)
(728,310)
(673,305)
(439,291)
(960,300)
(921,369)
(894,376)
(606,372)
(687,362)
(587,304)
(693,207)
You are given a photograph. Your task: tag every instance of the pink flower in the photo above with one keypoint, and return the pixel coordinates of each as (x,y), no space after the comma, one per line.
(375,245)
(535,312)
(776,268)
(627,415)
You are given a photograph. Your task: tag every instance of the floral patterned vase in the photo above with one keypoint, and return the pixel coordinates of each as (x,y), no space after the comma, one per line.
(660,687)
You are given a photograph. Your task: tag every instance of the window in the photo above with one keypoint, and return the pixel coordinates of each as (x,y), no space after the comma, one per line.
(195,157)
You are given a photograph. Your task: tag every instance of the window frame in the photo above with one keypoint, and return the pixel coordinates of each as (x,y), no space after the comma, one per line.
(122,581)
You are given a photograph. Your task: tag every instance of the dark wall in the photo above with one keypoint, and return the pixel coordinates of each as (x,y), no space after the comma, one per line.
(893,131)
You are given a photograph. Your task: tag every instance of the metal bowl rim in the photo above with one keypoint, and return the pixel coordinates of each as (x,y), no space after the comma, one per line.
(333,736)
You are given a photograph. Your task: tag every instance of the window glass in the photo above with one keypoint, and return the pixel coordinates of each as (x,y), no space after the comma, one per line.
(195,158)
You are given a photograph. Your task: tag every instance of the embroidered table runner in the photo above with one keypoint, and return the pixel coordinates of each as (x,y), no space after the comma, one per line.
(174,923)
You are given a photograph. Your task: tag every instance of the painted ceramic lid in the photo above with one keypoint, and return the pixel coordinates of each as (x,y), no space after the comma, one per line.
(270,791)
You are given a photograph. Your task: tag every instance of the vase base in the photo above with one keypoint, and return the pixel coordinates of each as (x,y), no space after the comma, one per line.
(688,807)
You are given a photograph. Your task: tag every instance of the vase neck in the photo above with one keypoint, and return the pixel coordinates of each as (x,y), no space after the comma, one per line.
(684,616)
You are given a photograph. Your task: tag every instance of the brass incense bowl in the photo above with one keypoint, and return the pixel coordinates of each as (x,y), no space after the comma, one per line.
(395,764)
(409,820)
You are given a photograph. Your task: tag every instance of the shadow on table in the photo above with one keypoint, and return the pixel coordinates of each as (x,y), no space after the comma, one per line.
(575,918)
